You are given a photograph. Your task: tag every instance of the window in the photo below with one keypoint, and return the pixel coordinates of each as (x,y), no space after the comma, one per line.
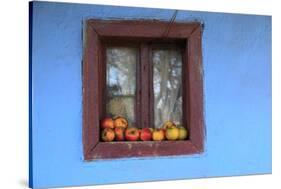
(148,72)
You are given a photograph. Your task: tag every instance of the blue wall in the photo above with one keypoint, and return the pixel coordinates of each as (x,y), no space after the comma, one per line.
(237,87)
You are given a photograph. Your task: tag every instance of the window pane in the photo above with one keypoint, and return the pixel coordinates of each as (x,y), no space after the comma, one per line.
(121,82)
(167,86)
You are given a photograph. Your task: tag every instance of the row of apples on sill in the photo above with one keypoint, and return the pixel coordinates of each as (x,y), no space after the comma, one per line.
(118,129)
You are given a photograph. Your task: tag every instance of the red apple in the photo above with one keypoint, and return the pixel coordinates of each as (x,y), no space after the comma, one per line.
(107,123)
(145,134)
(132,134)
(119,133)
(107,135)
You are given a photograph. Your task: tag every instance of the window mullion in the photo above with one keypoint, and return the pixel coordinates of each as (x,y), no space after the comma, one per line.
(145,86)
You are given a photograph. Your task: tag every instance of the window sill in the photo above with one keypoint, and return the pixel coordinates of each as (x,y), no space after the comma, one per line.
(129,149)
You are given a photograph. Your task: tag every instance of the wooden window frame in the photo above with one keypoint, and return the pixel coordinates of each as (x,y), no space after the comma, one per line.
(97,34)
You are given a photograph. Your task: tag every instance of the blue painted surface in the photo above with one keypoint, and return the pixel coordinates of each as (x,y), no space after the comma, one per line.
(237,87)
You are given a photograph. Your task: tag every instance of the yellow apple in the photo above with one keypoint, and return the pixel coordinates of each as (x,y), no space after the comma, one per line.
(120,122)
(172,133)
(168,124)
(158,135)
(107,135)
(183,133)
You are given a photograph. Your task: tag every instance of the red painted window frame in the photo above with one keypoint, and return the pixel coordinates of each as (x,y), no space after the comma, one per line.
(97,34)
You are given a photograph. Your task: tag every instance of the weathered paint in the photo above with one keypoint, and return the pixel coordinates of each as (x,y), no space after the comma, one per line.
(237,89)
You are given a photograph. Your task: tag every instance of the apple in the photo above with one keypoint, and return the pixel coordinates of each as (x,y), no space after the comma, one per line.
(168,124)
(183,133)
(172,133)
(107,135)
(107,123)
(151,129)
(119,133)
(120,122)
(158,135)
(132,134)
(145,134)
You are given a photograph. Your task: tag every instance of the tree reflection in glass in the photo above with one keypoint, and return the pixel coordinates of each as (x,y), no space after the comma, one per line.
(167,86)
(121,82)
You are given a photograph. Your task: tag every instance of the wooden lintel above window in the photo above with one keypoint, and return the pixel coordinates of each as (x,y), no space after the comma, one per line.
(143,28)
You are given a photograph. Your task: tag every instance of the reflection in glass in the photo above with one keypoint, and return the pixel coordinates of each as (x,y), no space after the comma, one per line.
(121,82)
(167,86)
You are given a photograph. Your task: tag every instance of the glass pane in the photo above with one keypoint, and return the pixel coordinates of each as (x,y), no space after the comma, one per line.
(123,106)
(167,86)
(121,82)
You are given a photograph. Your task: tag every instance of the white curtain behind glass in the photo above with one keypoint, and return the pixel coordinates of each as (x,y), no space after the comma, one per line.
(167,86)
